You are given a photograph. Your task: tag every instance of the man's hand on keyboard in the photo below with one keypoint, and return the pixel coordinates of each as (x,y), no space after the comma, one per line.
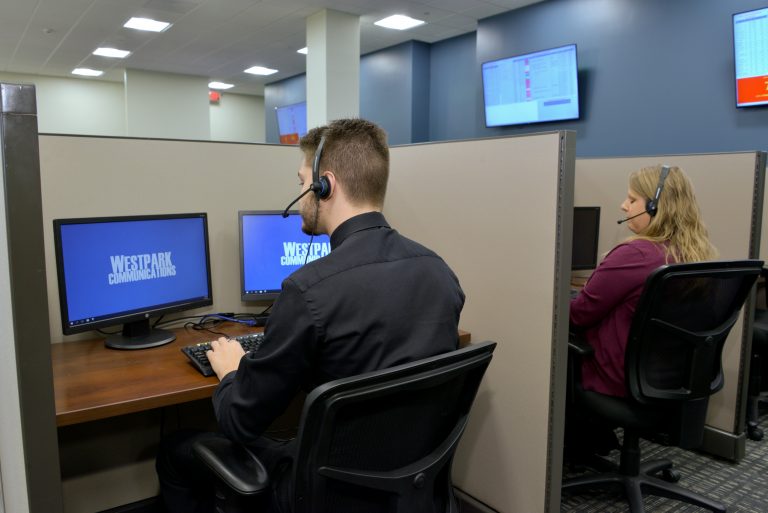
(225,356)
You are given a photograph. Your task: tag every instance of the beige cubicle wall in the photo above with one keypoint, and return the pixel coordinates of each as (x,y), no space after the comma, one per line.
(496,209)
(729,188)
(492,208)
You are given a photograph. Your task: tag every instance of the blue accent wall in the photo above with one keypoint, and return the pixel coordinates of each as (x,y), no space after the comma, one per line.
(285,92)
(656,76)
(453,105)
(394,91)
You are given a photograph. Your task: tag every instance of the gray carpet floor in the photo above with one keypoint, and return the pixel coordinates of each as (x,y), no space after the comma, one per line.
(742,486)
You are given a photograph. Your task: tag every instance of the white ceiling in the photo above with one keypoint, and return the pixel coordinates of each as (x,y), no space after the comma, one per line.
(217,39)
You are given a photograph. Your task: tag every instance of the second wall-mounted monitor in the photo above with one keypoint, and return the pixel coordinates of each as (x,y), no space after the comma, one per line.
(750,50)
(586,232)
(532,88)
(292,122)
(271,248)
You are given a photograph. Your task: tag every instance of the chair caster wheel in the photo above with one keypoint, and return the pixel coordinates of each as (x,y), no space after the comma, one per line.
(754,433)
(670,475)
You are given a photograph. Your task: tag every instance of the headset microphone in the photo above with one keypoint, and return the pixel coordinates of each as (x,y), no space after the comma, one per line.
(320,184)
(652,205)
(285,212)
(628,218)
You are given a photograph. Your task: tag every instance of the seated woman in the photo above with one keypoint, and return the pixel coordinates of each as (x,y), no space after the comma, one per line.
(663,215)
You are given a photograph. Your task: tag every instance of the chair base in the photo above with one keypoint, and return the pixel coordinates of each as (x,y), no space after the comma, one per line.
(644,481)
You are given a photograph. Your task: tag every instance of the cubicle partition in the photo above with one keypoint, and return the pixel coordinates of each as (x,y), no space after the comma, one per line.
(498,210)
(729,188)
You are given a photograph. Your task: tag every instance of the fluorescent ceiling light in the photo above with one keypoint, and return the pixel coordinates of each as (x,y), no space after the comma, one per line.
(87,72)
(399,22)
(220,85)
(112,52)
(146,24)
(260,70)
(303,50)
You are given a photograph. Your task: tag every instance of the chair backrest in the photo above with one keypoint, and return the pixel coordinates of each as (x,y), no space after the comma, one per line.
(682,320)
(384,441)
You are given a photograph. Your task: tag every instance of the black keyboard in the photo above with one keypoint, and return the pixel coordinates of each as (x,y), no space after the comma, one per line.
(196,352)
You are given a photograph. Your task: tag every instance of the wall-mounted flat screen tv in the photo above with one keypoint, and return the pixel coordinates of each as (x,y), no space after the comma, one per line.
(750,52)
(532,88)
(292,122)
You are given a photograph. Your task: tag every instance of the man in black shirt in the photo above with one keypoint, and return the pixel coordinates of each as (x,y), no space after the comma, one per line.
(377,300)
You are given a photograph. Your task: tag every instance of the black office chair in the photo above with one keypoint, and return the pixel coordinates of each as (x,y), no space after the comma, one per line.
(758,369)
(672,366)
(379,442)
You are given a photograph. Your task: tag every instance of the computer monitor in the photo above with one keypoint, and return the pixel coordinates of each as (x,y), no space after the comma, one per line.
(271,248)
(586,229)
(124,270)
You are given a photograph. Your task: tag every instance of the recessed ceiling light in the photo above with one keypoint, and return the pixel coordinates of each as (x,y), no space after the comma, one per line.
(399,22)
(87,72)
(220,85)
(260,70)
(303,50)
(146,24)
(112,52)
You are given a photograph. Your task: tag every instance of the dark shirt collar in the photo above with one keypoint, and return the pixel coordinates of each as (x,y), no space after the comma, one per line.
(356,224)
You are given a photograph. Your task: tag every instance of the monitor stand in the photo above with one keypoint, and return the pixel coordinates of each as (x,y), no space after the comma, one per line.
(139,335)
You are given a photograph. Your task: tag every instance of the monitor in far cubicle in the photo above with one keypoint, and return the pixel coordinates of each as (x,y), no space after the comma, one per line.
(750,51)
(271,248)
(292,122)
(125,270)
(586,231)
(531,88)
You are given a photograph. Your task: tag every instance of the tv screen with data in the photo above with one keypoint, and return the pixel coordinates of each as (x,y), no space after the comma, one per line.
(750,51)
(532,88)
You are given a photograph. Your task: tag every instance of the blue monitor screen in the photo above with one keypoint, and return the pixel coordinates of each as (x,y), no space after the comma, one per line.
(120,269)
(292,122)
(532,88)
(271,248)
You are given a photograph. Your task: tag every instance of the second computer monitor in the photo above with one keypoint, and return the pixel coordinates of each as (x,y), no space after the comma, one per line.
(586,230)
(271,248)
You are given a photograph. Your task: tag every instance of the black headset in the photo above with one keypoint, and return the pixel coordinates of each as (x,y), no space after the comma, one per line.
(652,205)
(320,184)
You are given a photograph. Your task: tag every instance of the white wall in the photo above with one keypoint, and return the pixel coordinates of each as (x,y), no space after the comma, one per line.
(238,118)
(87,106)
(76,106)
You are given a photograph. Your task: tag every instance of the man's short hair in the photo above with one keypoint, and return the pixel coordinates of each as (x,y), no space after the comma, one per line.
(356,151)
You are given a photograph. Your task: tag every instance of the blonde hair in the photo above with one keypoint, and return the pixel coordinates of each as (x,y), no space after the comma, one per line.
(677,223)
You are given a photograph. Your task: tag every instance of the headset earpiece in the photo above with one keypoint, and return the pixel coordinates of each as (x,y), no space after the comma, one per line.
(320,184)
(652,205)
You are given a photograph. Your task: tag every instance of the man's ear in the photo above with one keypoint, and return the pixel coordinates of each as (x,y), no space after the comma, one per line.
(332,182)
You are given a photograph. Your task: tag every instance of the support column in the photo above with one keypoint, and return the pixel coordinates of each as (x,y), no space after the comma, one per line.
(333,67)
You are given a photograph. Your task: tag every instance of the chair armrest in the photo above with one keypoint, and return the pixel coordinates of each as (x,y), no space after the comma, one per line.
(233,464)
(578,346)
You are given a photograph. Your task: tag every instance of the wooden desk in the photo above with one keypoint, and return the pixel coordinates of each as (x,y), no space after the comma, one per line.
(92,382)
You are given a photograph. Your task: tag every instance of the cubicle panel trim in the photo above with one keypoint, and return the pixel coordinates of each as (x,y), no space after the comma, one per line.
(560,319)
(29,300)
(758,202)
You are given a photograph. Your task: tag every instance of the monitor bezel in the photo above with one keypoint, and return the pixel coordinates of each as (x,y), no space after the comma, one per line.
(525,123)
(733,51)
(587,267)
(250,296)
(131,315)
